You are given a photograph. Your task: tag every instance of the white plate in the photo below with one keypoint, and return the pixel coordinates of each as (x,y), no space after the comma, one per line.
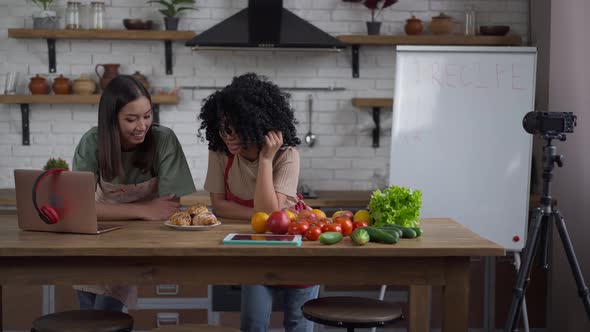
(191,228)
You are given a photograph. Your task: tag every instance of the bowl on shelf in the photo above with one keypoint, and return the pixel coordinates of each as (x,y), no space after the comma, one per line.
(494,30)
(137,24)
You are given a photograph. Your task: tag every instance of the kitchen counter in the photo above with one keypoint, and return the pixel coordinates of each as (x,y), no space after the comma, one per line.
(359,199)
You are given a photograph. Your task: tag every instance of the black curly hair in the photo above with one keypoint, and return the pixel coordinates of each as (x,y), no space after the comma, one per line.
(252,106)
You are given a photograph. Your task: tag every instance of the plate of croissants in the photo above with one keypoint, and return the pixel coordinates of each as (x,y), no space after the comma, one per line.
(195,218)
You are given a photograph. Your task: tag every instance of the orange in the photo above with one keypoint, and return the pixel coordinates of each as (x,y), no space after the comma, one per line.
(292,215)
(321,215)
(258,222)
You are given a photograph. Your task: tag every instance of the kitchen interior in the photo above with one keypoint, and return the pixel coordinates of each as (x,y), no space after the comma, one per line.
(339,74)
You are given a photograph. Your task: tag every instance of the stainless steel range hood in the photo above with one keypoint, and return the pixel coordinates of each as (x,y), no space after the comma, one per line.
(265,25)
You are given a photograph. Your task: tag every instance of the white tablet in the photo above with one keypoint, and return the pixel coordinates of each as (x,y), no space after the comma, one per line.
(263,239)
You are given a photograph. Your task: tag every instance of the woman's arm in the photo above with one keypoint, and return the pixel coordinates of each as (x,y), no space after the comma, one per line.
(157,209)
(228,209)
(266,199)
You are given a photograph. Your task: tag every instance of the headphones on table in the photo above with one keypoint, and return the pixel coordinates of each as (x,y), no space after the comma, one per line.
(47,213)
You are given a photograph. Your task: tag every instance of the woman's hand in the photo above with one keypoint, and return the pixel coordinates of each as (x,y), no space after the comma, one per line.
(160,208)
(273,142)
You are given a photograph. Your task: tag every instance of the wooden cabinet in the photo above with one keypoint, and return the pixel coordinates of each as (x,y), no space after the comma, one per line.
(21,305)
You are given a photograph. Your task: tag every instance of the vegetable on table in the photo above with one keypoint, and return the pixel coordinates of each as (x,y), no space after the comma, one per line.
(397,206)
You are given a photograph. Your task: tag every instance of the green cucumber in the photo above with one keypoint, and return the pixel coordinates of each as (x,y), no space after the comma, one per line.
(409,233)
(360,236)
(331,237)
(394,228)
(395,232)
(381,236)
(418,231)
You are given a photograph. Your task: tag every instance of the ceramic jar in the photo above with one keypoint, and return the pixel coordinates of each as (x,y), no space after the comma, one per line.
(441,25)
(39,85)
(413,26)
(111,70)
(61,85)
(141,78)
(84,85)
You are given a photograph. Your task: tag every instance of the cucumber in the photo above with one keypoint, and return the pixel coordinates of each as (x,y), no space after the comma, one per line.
(397,229)
(393,231)
(331,237)
(381,236)
(360,236)
(418,231)
(408,233)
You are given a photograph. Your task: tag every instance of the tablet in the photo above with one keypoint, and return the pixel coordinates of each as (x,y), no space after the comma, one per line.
(263,239)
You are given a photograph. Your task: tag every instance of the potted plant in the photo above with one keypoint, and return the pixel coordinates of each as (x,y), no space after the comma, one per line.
(44,18)
(171,9)
(376,6)
(56,163)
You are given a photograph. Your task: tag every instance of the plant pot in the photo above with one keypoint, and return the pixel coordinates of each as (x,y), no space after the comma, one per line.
(171,23)
(45,19)
(373,28)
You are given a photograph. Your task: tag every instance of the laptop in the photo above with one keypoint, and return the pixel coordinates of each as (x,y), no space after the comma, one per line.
(71,194)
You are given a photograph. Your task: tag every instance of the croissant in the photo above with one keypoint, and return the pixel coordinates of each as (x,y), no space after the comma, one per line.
(197,209)
(204,219)
(181,219)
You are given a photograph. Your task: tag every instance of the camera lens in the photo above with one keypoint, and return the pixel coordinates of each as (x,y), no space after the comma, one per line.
(530,122)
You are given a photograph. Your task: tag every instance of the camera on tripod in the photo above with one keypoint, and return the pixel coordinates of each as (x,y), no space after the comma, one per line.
(549,124)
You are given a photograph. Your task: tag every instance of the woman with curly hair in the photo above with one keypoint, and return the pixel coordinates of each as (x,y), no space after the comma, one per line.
(254,166)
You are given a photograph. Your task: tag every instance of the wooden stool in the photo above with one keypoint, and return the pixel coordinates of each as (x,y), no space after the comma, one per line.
(194,328)
(351,312)
(84,321)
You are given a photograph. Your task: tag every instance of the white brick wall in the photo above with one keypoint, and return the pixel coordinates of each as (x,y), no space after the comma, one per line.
(343,157)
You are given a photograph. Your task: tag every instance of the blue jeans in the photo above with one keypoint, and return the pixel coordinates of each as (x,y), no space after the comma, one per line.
(90,301)
(257,307)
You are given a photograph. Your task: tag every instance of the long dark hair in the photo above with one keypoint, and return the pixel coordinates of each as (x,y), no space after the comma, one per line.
(252,106)
(120,91)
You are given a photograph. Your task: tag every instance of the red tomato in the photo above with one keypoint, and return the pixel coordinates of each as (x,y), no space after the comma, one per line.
(346,225)
(313,233)
(358,224)
(334,228)
(298,227)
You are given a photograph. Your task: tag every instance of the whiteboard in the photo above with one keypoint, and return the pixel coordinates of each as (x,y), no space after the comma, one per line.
(457,135)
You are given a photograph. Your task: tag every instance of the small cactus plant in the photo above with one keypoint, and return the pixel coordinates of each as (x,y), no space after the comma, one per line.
(56,163)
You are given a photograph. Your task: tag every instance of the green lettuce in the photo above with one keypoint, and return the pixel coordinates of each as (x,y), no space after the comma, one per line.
(396,205)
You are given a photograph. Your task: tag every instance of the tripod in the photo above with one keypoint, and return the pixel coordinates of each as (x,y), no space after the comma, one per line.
(540,231)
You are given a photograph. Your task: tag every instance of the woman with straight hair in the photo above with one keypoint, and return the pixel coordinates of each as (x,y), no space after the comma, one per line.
(140,168)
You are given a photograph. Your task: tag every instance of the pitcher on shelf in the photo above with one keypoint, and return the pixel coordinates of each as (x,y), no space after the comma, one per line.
(110,71)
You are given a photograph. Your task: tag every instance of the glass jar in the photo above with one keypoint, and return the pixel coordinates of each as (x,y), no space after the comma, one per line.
(97,12)
(470,28)
(73,15)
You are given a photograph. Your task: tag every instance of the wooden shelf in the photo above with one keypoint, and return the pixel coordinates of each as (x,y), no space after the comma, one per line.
(376,104)
(373,102)
(74,99)
(52,35)
(102,34)
(456,40)
(25,100)
(431,40)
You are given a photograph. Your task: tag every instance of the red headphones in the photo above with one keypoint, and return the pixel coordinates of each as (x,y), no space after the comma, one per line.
(47,213)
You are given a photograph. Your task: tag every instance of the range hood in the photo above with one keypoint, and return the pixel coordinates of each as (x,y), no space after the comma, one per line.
(265,25)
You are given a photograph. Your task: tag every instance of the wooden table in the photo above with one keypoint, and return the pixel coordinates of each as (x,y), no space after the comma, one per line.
(149,252)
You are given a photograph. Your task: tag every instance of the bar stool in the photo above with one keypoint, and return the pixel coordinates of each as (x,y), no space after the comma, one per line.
(84,321)
(351,312)
(194,328)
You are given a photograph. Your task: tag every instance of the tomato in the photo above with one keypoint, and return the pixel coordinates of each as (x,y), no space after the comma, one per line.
(313,233)
(334,228)
(358,224)
(346,225)
(298,227)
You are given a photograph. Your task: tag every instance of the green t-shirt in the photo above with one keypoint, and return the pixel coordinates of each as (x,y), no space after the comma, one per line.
(170,166)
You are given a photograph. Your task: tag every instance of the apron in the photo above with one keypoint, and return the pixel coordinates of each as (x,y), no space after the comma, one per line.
(299,206)
(116,194)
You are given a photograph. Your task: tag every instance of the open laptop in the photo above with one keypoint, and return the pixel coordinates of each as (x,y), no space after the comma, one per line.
(71,194)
